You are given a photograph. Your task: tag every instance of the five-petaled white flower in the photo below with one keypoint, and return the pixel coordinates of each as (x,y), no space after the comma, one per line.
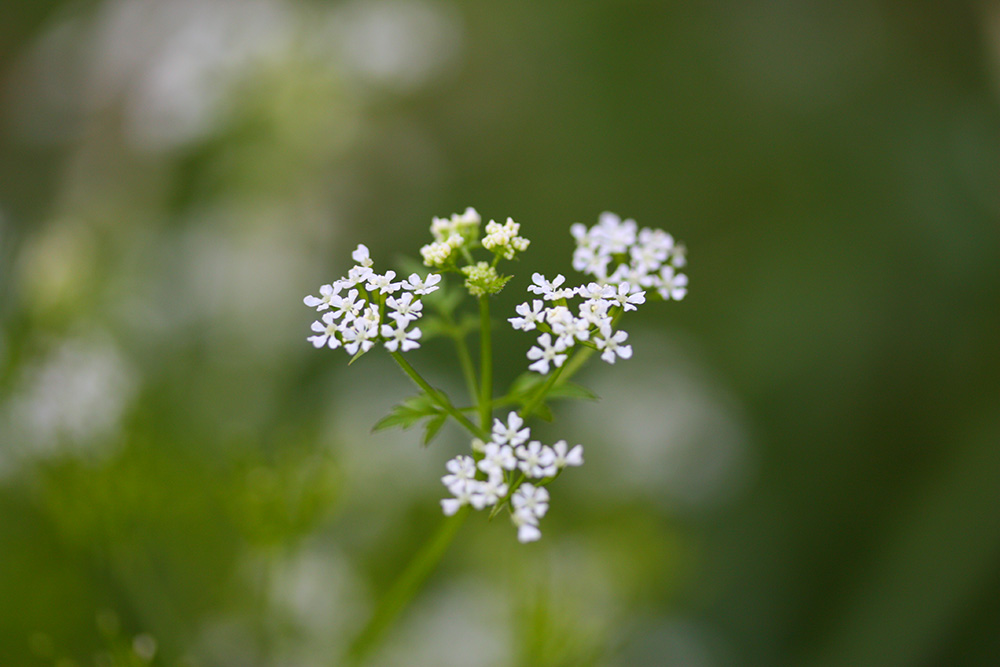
(536,460)
(420,287)
(405,309)
(534,499)
(563,458)
(545,353)
(461,470)
(326,332)
(326,293)
(527,525)
(530,315)
(612,345)
(548,290)
(511,432)
(626,298)
(400,337)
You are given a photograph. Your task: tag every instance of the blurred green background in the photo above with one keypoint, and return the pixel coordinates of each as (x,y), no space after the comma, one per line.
(800,466)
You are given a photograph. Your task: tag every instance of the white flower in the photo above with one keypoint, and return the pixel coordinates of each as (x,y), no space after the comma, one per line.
(533,499)
(358,335)
(530,316)
(527,526)
(489,492)
(545,354)
(420,287)
(612,345)
(327,330)
(536,460)
(346,306)
(461,470)
(547,289)
(595,311)
(627,299)
(673,286)
(463,496)
(383,283)
(568,327)
(356,275)
(361,255)
(678,258)
(574,457)
(511,432)
(497,458)
(400,337)
(326,292)
(596,291)
(406,309)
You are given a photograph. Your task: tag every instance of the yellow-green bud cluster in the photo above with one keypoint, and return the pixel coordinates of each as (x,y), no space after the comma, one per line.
(503,240)
(450,234)
(482,279)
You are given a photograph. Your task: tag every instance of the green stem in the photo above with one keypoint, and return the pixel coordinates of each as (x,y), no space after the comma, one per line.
(539,396)
(467,368)
(406,586)
(485,364)
(438,397)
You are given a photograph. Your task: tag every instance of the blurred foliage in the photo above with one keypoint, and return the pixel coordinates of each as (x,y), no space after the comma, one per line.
(799,466)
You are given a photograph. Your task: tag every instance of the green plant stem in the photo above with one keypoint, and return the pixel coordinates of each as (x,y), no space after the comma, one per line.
(539,396)
(438,397)
(485,364)
(406,586)
(467,368)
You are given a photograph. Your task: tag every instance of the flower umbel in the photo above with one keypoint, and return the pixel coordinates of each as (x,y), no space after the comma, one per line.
(626,267)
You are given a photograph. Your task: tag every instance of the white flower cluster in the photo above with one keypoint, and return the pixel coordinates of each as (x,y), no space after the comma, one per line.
(488,479)
(591,321)
(616,251)
(356,320)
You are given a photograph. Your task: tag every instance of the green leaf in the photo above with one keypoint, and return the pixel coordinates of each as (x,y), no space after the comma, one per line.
(526,385)
(408,413)
(571,390)
(432,426)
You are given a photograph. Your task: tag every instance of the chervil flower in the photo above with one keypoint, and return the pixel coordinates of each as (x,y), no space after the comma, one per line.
(568,327)
(511,432)
(626,298)
(327,332)
(536,460)
(421,287)
(326,293)
(357,275)
(545,288)
(533,499)
(527,525)
(596,291)
(546,353)
(530,316)
(358,335)
(672,286)
(612,345)
(463,496)
(489,492)
(497,458)
(346,306)
(400,337)
(461,470)
(595,311)
(405,308)
(574,457)
(361,255)
(383,283)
